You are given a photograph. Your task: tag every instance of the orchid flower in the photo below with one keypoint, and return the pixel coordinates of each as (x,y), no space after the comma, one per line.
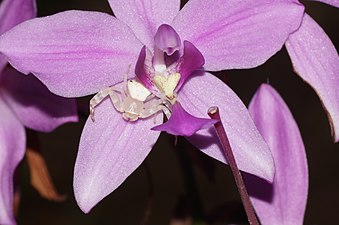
(284,201)
(315,60)
(24,102)
(77,53)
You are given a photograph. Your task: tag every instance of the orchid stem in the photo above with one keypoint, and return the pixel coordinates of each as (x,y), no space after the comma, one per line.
(213,112)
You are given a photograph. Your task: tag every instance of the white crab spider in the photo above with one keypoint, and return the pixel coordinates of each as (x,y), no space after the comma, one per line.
(134,101)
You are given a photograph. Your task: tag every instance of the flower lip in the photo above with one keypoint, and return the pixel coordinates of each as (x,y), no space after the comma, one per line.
(167,39)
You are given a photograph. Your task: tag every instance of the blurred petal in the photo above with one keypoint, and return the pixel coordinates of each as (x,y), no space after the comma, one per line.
(182,123)
(3,63)
(284,201)
(145,16)
(74,53)
(334,3)
(110,150)
(35,106)
(190,61)
(316,60)
(237,34)
(249,148)
(12,148)
(13,12)
(167,39)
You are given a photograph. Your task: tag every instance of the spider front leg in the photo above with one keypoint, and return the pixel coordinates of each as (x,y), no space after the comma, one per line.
(101,95)
(152,107)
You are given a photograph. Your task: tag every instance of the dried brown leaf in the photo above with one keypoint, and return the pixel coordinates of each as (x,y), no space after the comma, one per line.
(16,201)
(182,212)
(40,177)
(181,221)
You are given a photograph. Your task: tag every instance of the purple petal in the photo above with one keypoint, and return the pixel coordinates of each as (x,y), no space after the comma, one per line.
(145,16)
(13,12)
(74,53)
(12,149)
(167,39)
(284,201)
(334,3)
(237,34)
(182,123)
(140,70)
(190,61)
(315,59)
(249,148)
(35,106)
(110,150)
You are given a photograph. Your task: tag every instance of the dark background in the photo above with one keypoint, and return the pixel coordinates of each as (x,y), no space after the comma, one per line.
(215,184)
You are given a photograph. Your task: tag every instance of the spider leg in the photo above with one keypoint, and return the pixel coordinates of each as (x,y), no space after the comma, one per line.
(150,98)
(166,111)
(100,96)
(152,107)
(125,79)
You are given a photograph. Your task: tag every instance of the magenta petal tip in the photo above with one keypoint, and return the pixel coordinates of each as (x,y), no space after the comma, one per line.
(182,123)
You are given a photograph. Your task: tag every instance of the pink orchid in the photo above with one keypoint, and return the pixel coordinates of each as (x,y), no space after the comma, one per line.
(77,53)
(315,60)
(24,102)
(284,201)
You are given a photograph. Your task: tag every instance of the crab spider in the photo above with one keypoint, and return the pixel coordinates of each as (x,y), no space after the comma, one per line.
(134,101)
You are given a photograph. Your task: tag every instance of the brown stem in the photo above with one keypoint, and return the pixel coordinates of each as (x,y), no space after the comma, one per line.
(213,112)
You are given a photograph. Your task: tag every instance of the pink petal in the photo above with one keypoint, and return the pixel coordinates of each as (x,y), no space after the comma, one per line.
(167,39)
(145,16)
(237,34)
(191,60)
(13,12)
(74,53)
(250,150)
(110,150)
(12,149)
(182,123)
(284,201)
(334,3)
(315,59)
(35,106)
(141,71)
